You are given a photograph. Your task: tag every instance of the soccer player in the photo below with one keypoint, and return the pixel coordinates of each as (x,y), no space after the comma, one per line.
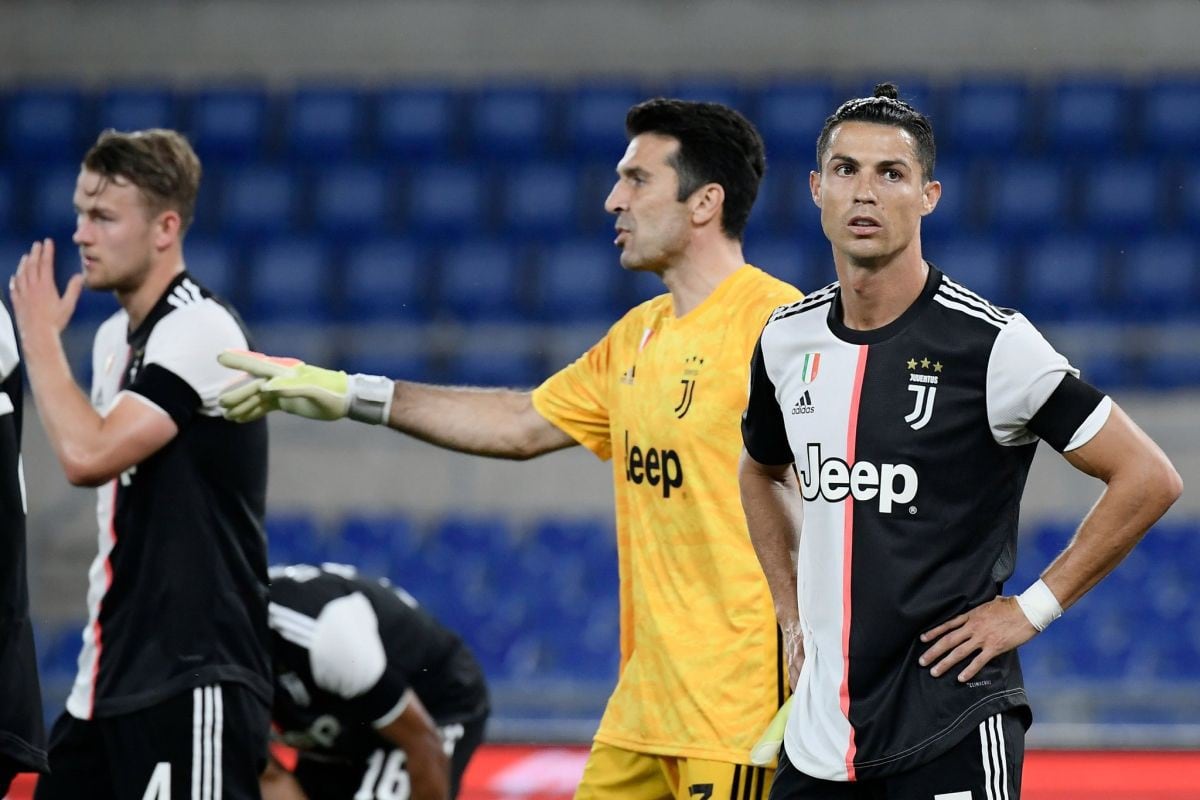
(22,738)
(892,420)
(661,394)
(378,697)
(173,691)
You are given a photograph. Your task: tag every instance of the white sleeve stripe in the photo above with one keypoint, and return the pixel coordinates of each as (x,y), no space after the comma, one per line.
(970,298)
(146,401)
(397,710)
(968,311)
(292,625)
(1090,426)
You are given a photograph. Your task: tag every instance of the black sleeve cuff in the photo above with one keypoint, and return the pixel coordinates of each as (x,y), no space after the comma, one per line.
(1064,411)
(168,391)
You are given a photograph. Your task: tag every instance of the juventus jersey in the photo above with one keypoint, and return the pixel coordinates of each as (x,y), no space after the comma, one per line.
(22,738)
(350,653)
(912,443)
(177,595)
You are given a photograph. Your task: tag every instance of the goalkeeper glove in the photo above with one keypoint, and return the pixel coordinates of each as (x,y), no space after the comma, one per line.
(767,747)
(290,385)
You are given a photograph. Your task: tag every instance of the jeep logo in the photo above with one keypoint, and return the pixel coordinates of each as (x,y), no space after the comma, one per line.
(834,479)
(653,466)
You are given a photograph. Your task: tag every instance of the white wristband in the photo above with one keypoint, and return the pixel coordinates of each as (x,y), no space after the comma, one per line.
(1040,605)
(370,399)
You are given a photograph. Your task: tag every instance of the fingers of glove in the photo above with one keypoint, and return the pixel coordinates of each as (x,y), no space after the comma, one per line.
(241,390)
(258,364)
(252,408)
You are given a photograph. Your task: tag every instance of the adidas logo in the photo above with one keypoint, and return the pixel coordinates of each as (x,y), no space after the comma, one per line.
(804,405)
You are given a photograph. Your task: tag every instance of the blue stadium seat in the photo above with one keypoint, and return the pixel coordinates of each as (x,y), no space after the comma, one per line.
(770,215)
(801,216)
(988,116)
(448,200)
(52,210)
(1063,278)
(1170,118)
(380,544)
(489,535)
(1028,196)
(136,108)
(386,280)
(1188,198)
(957,208)
(1088,116)
(1172,370)
(9,207)
(416,121)
(515,120)
(786,257)
(595,118)
(327,122)
(980,263)
(485,361)
(1159,277)
(596,183)
(790,116)
(258,201)
(1121,197)
(295,539)
(711,89)
(46,124)
(214,263)
(481,280)
(539,200)
(230,124)
(351,200)
(289,280)
(579,279)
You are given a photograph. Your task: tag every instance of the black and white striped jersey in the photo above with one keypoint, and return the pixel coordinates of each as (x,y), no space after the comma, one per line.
(22,738)
(177,595)
(912,443)
(351,652)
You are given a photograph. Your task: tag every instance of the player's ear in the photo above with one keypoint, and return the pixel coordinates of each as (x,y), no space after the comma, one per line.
(707,202)
(814,187)
(930,194)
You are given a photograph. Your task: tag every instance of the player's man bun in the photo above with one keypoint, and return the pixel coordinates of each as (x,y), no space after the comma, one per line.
(888,90)
(884,107)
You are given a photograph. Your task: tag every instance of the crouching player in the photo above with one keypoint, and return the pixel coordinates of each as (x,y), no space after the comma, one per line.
(380,700)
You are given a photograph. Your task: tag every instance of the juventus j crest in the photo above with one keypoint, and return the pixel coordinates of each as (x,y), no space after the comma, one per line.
(924,386)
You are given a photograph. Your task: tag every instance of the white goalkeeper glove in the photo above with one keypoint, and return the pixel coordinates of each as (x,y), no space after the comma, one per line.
(290,385)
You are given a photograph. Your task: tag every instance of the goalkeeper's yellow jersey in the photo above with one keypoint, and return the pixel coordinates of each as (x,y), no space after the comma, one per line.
(701,667)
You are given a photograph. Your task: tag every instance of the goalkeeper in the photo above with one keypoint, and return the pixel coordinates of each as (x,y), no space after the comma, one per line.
(702,663)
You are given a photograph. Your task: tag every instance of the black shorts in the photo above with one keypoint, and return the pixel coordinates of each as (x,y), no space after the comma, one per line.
(381,775)
(207,743)
(985,765)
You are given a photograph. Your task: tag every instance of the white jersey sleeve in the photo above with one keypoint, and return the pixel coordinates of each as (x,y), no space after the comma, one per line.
(186,342)
(1024,371)
(9,355)
(346,652)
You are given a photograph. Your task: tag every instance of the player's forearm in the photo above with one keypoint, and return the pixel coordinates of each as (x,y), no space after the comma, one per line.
(430,775)
(71,424)
(1133,500)
(501,423)
(276,783)
(771,502)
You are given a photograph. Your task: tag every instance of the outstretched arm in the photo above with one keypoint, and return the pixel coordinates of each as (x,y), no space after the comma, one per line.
(1141,484)
(276,783)
(774,511)
(502,423)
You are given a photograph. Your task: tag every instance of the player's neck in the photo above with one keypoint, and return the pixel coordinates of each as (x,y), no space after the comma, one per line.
(876,295)
(701,269)
(139,302)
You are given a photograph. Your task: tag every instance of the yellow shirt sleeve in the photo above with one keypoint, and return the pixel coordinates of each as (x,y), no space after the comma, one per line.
(576,399)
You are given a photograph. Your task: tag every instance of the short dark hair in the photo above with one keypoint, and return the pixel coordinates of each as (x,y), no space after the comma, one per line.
(159,162)
(716,145)
(884,108)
